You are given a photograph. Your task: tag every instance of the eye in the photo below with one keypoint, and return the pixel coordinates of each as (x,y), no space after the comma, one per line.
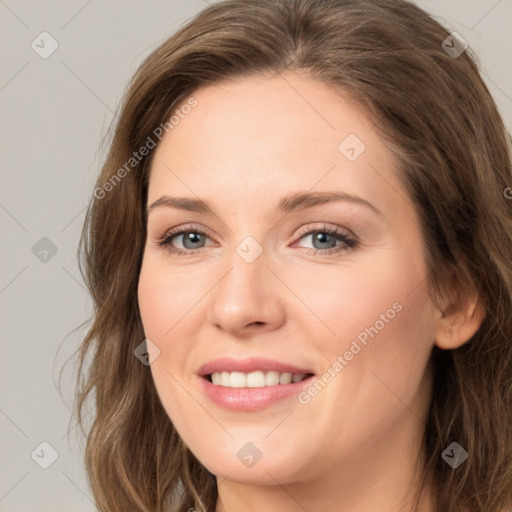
(328,240)
(191,240)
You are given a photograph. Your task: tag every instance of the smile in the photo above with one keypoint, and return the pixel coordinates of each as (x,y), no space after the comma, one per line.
(245,385)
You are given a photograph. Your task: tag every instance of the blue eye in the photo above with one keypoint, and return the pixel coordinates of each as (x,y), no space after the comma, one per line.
(325,240)
(191,238)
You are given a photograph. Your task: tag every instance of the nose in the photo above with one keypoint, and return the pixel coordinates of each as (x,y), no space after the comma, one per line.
(247,298)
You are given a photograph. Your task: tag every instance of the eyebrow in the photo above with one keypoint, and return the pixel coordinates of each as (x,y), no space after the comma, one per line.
(296,202)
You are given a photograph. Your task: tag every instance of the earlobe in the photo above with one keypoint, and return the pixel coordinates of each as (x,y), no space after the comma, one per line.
(458,327)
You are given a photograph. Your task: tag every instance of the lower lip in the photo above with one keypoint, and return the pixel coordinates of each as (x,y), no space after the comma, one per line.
(250,399)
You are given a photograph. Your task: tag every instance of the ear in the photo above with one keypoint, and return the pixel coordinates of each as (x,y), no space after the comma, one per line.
(459,324)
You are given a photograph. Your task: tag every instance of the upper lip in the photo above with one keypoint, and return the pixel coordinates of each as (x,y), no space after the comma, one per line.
(227,364)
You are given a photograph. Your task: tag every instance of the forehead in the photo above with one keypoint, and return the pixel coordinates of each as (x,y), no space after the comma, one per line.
(251,137)
(286,109)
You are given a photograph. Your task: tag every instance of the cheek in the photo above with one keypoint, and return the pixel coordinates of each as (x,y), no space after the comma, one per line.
(372,291)
(151,300)
(165,297)
(381,320)
(170,307)
(162,304)
(163,301)
(385,342)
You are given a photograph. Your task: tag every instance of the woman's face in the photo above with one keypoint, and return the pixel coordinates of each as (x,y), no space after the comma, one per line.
(307,261)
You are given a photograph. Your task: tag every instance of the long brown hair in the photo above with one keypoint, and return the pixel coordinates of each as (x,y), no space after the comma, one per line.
(434,111)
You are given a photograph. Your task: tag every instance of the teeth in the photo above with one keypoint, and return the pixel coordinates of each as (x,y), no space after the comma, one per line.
(272,379)
(237,380)
(257,379)
(285,378)
(224,379)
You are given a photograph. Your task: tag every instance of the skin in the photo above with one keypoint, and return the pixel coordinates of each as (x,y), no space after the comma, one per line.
(354,446)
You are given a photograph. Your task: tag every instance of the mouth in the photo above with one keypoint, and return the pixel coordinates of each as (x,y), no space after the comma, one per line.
(251,384)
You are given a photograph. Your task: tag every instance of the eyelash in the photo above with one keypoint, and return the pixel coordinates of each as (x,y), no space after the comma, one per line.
(348,244)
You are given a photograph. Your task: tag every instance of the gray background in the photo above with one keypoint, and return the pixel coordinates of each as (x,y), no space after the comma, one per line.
(55,113)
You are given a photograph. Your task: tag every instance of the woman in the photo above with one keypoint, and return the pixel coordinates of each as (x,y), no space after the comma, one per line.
(299,253)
